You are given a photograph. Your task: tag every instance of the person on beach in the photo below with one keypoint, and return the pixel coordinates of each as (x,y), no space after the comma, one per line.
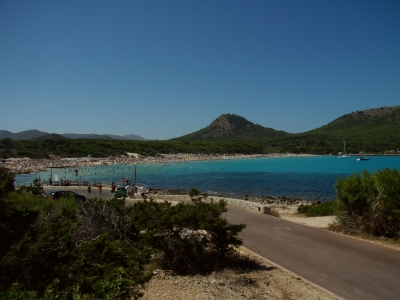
(143,191)
(89,190)
(113,187)
(100,187)
(128,189)
(133,191)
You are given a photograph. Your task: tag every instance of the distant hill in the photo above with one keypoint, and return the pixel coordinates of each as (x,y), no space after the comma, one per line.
(54,136)
(371,131)
(363,118)
(23,135)
(367,124)
(375,129)
(88,136)
(232,127)
(132,137)
(31,134)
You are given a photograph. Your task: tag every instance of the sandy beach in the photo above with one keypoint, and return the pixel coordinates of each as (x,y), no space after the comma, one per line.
(27,165)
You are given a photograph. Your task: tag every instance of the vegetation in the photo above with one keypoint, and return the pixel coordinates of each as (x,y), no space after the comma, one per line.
(329,208)
(366,204)
(102,249)
(377,131)
(371,203)
(231,127)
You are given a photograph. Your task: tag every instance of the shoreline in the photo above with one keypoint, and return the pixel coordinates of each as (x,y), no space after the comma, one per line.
(27,165)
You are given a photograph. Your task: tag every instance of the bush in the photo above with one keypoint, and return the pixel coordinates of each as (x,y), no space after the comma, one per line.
(100,249)
(191,237)
(329,208)
(6,182)
(64,253)
(371,202)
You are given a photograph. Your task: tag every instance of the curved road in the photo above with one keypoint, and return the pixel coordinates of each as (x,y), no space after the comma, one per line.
(348,267)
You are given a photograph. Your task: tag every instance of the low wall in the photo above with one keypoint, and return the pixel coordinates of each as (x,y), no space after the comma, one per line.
(253,206)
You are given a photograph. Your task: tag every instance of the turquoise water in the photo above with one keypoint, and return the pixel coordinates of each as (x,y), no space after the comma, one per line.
(309,177)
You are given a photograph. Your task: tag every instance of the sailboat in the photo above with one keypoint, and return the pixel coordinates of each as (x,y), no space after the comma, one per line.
(344,149)
(363,156)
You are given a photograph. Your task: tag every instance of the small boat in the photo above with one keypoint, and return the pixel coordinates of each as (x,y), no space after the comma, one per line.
(363,157)
(344,149)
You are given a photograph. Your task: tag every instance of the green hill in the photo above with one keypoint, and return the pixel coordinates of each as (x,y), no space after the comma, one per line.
(231,127)
(378,128)
(375,130)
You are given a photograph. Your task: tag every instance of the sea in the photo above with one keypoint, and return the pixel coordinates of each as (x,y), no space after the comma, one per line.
(302,177)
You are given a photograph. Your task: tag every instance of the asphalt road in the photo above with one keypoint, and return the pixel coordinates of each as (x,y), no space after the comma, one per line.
(348,267)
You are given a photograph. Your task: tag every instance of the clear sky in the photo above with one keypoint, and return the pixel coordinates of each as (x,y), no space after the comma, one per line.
(162,69)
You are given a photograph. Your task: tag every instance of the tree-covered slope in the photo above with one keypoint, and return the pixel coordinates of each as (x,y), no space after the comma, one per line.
(232,127)
(375,130)
(379,126)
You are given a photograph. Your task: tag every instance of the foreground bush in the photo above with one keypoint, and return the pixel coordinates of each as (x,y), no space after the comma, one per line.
(70,250)
(191,238)
(371,202)
(100,249)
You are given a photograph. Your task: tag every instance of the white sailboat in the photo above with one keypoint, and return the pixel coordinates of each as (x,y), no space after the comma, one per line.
(344,149)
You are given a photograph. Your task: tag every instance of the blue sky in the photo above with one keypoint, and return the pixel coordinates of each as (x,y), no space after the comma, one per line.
(162,69)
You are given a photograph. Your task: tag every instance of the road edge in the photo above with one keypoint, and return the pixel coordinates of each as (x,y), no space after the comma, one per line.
(244,250)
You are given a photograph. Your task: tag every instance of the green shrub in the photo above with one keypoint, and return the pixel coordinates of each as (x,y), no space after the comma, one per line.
(99,249)
(69,249)
(303,208)
(6,182)
(329,208)
(371,202)
(191,237)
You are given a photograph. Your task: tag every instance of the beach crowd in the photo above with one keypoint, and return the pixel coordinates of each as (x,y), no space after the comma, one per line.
(27,165)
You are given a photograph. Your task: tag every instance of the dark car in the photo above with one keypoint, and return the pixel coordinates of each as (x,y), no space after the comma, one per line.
(120,191)
(66,194)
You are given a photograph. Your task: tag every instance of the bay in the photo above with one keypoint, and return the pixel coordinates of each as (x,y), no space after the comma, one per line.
(304,177)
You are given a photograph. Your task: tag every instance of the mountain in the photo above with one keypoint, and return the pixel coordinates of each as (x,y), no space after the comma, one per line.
(23,135)
(132,137)
(6,134)
(232,127)
(366,123)
(86,136)
(32,134)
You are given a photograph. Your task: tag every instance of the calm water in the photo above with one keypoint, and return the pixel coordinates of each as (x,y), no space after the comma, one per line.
(310,177)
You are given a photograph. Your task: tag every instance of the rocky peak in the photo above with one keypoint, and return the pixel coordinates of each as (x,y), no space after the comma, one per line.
(228,124)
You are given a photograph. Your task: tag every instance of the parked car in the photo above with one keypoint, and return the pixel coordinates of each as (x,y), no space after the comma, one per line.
(120,191)
(66,194)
